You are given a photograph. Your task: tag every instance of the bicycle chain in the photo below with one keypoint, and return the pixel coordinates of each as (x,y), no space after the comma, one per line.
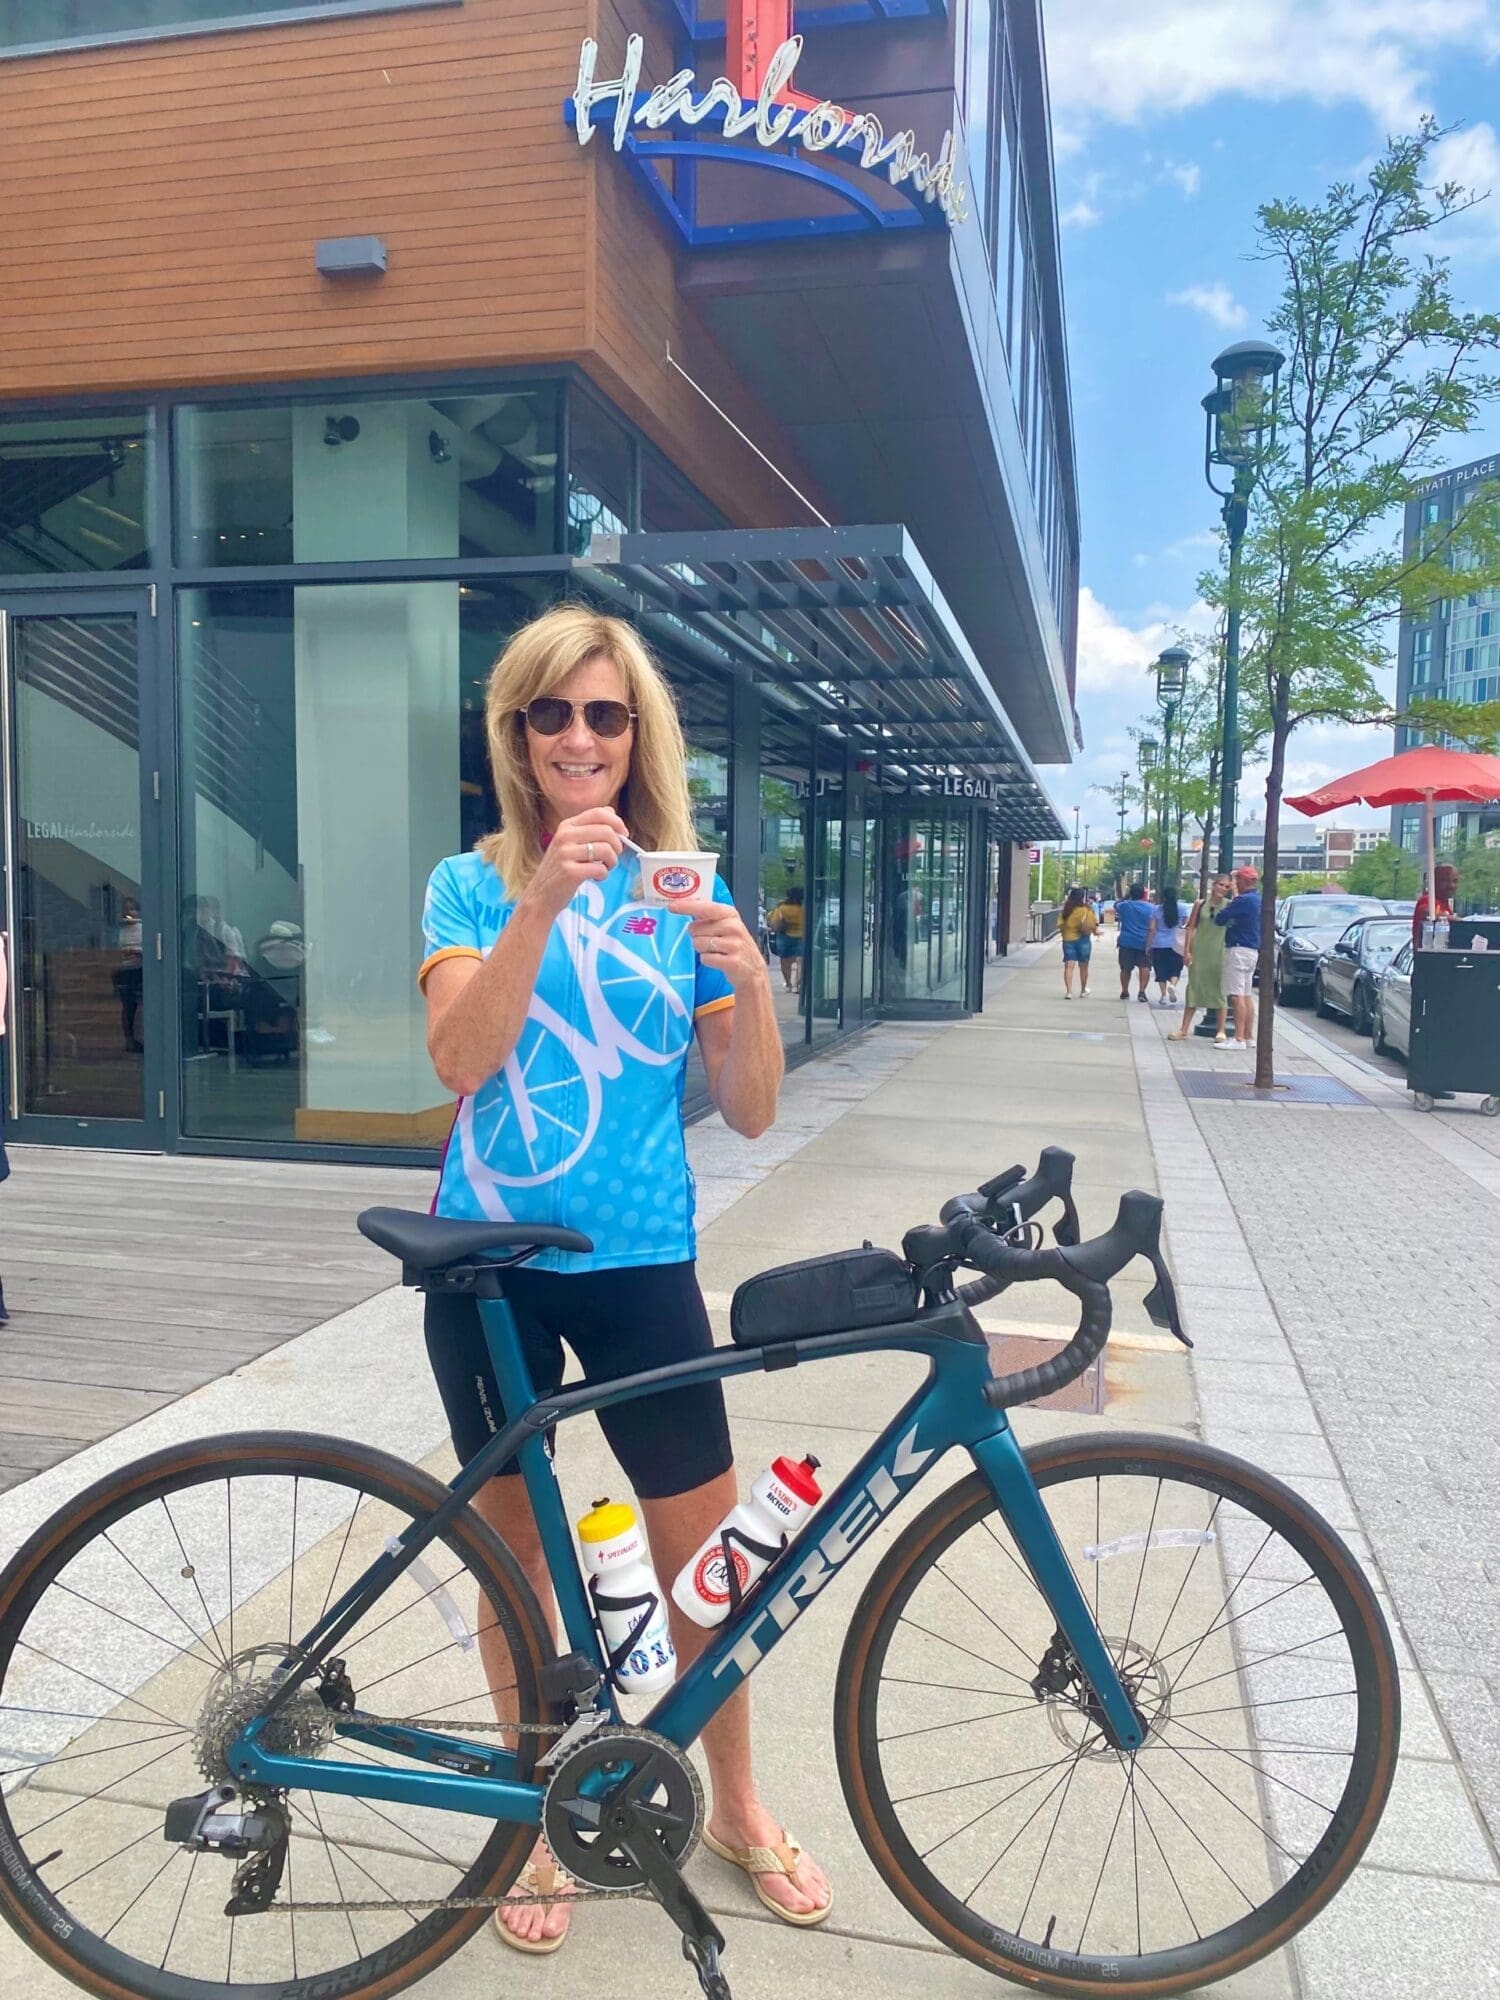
(580,1893)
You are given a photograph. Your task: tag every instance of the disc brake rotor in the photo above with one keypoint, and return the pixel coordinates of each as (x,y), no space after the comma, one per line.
(1146,1682)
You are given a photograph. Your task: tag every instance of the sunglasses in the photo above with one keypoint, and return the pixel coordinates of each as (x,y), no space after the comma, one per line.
(550,715)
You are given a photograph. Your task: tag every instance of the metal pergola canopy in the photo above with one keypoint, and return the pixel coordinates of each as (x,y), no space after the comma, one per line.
(851,620)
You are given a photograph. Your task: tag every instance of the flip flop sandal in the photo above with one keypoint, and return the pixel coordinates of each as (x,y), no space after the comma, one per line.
(538,1878)
(779,1860)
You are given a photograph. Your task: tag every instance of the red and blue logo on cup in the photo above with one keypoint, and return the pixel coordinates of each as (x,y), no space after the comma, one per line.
(675,878)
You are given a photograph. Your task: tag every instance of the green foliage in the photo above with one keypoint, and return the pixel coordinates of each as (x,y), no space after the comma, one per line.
(1386,870)
(1479,880)
(1384,373)
(1466,725)
(1307,883)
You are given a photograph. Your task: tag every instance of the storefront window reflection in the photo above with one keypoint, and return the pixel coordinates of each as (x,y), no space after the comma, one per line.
(825,929)
(362,480)
(72,494)
(926,939)
(784,802)
(598,474)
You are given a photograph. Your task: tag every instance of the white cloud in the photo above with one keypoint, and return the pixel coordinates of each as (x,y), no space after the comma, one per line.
(1114,657)
(1471,157)
(1186,173)
(1317,754)
(1125,64)
(1215,302)
(1078,215)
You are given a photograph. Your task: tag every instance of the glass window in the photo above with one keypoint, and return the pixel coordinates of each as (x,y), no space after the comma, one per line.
(365,480)
(926,941)
(73,493)
(669,503)
(1020,285)
(826,928)
(784,799)
(599,474)
(298,931)
(25,22)
(978,64)
(1005,198)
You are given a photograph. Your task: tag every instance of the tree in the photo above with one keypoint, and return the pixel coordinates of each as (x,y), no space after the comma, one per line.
(1386,870)
(1468,725)
(1383,370)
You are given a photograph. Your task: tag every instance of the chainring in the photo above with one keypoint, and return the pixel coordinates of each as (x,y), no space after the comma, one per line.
(632,1768)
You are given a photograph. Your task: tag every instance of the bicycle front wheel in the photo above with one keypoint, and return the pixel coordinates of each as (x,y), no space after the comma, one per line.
(979,1778)
(143,1626)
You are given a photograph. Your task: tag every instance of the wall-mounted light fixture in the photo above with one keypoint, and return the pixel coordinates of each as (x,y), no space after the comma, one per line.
(350,257)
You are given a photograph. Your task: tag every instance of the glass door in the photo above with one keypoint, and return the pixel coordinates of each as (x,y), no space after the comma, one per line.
(80,903)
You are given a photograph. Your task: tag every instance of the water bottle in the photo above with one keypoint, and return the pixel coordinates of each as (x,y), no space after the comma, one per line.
(627,1599)
(747,1541)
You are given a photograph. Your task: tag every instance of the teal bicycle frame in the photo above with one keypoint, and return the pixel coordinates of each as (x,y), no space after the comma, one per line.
(947,1411)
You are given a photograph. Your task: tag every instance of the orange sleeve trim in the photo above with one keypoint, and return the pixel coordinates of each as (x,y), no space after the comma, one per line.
(713,1006)
(448,951)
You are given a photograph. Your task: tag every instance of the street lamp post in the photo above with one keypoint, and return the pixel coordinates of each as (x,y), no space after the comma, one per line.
(1239,426)
(1148,750)
(1171,680)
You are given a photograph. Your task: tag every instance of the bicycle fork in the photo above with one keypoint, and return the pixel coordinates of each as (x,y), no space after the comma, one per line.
(1003,1464)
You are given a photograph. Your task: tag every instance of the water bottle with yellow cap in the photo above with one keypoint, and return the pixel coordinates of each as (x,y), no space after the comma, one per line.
(627,1599)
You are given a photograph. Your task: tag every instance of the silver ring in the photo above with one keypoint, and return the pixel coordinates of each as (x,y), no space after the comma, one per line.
(589,851)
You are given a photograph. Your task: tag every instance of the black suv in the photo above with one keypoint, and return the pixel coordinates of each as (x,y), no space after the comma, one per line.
(1306,927)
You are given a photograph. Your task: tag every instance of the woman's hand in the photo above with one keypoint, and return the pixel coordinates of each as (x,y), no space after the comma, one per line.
(583,849)
(722,941)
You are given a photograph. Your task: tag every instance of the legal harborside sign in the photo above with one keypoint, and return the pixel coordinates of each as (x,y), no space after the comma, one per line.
(757,117)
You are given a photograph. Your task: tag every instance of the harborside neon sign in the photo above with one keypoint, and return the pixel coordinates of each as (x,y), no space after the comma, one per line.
(785,122)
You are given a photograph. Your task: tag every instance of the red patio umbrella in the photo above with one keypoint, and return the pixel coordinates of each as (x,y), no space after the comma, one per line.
(1428,775)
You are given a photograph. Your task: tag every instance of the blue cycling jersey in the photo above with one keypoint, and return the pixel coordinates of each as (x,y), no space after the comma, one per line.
(582,1125)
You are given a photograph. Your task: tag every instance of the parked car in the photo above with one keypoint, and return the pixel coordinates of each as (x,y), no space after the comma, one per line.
(1306,927)
(1401,906)
(1344,982)
(1390,1028)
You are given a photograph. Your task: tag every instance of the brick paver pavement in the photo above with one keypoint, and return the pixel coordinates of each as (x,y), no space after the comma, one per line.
(1383,1264)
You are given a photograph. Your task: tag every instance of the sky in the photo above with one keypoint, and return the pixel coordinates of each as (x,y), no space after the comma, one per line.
(1172,120)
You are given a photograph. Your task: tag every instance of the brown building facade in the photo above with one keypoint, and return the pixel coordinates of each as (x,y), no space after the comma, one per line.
(339,341)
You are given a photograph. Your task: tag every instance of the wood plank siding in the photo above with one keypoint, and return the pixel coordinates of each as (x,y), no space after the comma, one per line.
(162,201)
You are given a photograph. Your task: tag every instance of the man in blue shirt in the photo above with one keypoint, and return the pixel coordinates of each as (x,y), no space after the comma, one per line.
(1134,917)
(1240,917)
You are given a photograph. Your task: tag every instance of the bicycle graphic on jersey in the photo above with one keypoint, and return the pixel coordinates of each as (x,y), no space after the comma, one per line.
(634,974)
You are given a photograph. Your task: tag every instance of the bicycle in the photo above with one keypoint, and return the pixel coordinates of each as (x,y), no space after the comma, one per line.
(1114,1714)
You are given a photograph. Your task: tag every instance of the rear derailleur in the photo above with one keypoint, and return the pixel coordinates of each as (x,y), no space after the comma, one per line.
(253,1832)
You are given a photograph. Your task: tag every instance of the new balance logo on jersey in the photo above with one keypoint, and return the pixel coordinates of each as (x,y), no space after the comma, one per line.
(641,926)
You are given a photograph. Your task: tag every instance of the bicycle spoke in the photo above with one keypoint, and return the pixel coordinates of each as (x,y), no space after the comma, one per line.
(1203,1777)
(414,1605)
(1194,1750)
(994,1806)
(142,1893)
(95,1681)
(177,1919)
(1286,1653)
(963,1722)
(1162,1856)
(192,1568)
(229,1550)
(184,1652)
(1104,1864)
(291,1584)
(158,1731)
(1186,1579)
(338,1565)
(1047,1849)
(994,1778)
(1009,1672)
(1213,1622)
(1187,1825)
(987,1616)
(183,1622)
(151,1833)
(1039,1807)
(337,1878)
(1140,1577)
(133,1772)
(1276,1701)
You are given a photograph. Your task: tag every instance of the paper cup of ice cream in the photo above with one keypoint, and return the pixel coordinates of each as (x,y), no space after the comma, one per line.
(666,877)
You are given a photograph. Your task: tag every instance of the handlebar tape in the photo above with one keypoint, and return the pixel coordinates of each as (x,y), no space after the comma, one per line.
(1083,1269)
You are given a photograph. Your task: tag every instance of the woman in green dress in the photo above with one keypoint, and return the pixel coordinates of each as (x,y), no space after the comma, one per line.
(1204,951)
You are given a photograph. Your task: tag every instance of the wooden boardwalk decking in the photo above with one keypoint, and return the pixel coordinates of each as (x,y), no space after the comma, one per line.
(132,1278)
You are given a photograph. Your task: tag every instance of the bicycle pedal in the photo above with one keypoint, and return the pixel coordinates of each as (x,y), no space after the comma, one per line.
(703,1956)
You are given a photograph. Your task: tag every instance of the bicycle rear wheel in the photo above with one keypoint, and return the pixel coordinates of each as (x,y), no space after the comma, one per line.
(982,1785)
(142,1626)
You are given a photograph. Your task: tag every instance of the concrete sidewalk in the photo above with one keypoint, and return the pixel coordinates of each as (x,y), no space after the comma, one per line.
(876,1137)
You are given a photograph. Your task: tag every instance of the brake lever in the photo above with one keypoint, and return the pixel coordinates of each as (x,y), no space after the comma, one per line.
(1161,1301)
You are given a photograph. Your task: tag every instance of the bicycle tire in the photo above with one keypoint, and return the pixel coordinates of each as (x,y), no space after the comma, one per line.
(28,1904)
(934,1906)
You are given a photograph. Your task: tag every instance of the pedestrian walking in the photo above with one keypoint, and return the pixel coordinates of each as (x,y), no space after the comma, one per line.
(1168,946)
(1134,917)
(1240,921)
(1203,948)
(1076,927)
(787,923)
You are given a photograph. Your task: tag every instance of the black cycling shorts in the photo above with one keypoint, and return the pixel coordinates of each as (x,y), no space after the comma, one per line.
(617,1323)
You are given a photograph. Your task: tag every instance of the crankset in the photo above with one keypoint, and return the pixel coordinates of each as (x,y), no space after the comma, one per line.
(623,1811)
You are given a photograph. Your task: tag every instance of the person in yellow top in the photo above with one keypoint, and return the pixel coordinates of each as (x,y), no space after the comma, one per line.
(786,924)
(1076,927)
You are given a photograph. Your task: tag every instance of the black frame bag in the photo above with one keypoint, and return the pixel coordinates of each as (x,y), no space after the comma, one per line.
(837,1294)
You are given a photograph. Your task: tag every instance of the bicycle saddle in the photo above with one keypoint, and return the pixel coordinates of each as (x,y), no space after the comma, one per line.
(432,1242)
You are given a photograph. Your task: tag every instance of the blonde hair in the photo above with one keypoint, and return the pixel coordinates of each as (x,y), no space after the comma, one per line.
(654,802)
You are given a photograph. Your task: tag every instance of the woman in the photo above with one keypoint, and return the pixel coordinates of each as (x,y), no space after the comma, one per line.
(788,923)
(1168,947)
(1204,951)
(540,960)
(1076,927)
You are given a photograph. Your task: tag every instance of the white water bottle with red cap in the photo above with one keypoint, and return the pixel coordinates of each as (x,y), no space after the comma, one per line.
(747,1541)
